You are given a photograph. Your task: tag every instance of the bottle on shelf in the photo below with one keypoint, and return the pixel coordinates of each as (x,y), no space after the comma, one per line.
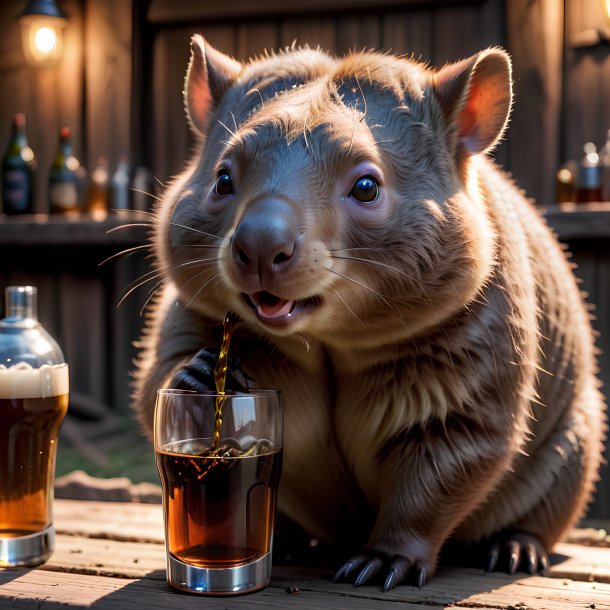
(142,189)
(63,178)
(589,177)
(604,158)
(18,170)
(98,190)
(119,186)
(566,182)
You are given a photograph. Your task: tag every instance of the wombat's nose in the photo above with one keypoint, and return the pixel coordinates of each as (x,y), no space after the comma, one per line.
(265,238)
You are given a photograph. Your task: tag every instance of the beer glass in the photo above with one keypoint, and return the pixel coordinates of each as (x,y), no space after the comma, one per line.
(219,457)
(33,404)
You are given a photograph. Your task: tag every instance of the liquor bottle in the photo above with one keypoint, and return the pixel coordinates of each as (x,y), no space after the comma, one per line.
(18,169)
(589,177)
(605,163)
(63,194)
(98,190)
(142,189)
(119,186)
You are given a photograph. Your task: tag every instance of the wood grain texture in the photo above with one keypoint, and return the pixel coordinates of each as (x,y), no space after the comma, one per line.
(111,555)
(535,39)
(108,80)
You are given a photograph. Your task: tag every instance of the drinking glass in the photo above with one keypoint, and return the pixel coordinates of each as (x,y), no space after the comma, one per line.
(219,457)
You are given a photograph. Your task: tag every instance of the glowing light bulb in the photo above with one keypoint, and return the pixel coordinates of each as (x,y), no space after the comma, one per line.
(45,39)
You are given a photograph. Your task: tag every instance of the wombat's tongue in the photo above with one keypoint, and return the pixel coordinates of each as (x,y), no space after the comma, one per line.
(269,306)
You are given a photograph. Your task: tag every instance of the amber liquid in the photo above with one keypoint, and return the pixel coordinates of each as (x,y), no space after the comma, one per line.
(218,510)
(29,428)
(220,372)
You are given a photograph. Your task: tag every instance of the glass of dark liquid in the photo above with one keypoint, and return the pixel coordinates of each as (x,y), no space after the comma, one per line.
(219,458)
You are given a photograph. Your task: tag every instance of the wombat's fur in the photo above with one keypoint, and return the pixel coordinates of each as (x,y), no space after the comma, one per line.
(432,346)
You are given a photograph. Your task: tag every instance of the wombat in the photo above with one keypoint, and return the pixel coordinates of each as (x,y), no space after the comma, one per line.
(427,332)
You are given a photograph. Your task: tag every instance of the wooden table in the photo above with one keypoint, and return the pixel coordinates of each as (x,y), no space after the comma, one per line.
(111,555)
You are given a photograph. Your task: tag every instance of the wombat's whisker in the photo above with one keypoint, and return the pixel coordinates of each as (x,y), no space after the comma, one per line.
(126,251)
(366,328)
(155,197)
(194,277)
(129,226)
(152,293)
(158,275)
(215,276)
(374,263)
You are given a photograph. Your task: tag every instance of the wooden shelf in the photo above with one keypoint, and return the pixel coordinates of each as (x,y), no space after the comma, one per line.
(569,220)
(572,221)
(82,230)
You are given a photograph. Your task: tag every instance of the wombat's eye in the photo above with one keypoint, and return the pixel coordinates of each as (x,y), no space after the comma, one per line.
(366,189)
(224,183)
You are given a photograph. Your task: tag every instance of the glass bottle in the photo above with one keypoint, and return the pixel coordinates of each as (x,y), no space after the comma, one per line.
(63,192)
(98,190)
(604,157)
(119,186)
(33,403)
(18,169)
(589,177)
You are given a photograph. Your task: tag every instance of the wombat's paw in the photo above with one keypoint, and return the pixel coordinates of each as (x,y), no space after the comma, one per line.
(198,373)
(519,550)
(363,568)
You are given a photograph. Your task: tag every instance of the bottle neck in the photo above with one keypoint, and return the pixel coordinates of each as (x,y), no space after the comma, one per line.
(21,305)
(19,138)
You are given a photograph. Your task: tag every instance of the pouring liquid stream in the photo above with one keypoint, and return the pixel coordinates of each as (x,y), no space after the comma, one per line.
(220,373)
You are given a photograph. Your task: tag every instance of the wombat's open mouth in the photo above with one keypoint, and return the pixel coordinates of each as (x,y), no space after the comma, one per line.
(271,308)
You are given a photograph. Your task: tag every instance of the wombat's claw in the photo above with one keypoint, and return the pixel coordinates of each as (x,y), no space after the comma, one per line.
(347,570)
(370,570)
(521,550)
(364,568)
(400,568)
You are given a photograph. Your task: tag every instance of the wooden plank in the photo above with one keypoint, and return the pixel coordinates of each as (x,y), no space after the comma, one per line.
(109,520)
(108,80)
(143,523)
(455,588)
(358,33)
(39,588)
(103,557)
(307,31)
(409,34)
(168,11)
(82,334)
(535,41)
(254,38)
(107,557)
(587,81)
(579,221)
(44,230)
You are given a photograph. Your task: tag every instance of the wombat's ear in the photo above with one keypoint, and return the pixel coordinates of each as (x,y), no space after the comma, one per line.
(475,96)
(210,73)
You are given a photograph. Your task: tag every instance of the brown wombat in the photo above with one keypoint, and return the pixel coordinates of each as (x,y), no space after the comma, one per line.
(432,346)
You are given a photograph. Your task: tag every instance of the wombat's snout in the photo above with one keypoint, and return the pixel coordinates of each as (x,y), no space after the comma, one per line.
(265,238)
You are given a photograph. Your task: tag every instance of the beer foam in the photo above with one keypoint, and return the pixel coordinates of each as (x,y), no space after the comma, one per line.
(23,381)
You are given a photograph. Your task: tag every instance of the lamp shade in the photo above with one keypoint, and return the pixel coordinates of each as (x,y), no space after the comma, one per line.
(42,25)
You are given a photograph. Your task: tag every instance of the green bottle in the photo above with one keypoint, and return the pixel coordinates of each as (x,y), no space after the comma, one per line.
(63,192)
(18,169)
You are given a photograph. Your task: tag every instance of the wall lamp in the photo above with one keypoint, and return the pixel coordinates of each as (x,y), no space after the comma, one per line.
(42,25)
